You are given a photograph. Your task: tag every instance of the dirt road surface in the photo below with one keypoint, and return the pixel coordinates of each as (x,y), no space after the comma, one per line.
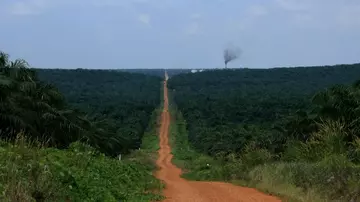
(180,190)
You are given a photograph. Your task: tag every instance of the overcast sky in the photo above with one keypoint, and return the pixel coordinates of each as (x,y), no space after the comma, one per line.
(179,33)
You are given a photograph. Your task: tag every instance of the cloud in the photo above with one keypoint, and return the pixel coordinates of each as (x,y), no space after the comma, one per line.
(192,29)
(292,5)
(145,19)
(195,16)
(33,7)
(324,14)
(303,17)
(193,26)
(22,8)
(251,16)
(129,3)
(27,7)
(349,16)
(140,1)
(257,11)
(112,3)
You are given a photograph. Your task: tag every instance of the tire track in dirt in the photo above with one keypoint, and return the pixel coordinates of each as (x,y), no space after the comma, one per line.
(180,190)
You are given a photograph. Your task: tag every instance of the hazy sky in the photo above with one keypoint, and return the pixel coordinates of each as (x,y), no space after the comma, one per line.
(179,33)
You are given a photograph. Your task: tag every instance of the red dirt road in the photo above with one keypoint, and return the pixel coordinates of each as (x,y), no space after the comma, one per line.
(180,190)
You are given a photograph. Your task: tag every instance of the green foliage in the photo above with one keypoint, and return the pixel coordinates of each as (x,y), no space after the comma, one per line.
(147,153)
(227,109)
(38,109)
(317,170)
(63,154)
(333,179)
(118,106)
(119,103)
(329,140)
(79,173)
(321,167)
(197,166)
(269,129)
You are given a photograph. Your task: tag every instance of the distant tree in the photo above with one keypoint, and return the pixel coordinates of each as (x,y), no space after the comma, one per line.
(230,54)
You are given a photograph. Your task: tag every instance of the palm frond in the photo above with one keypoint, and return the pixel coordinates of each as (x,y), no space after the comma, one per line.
(49,116)
(27,87)
(321,98)
(4,59)
(5,81)
(19,63)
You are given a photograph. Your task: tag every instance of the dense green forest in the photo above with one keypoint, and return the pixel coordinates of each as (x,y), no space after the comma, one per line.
(57,145)
(119,102)
(232,105)
(293,132)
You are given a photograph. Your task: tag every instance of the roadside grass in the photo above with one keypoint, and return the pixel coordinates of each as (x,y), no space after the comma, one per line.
(196,166)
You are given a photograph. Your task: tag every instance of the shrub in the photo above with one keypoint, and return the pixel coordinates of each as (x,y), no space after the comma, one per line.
(79,173)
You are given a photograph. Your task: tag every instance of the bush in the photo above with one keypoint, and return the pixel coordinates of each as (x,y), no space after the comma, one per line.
(26,175)
(335,179)
(321,165)
(329,140)
(79,173)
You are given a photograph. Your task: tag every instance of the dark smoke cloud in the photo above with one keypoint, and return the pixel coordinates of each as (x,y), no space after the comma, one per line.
(231,53)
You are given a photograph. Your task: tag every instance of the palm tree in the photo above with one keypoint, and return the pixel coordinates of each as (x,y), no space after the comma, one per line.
(31,106)
(39,110)
(341,103)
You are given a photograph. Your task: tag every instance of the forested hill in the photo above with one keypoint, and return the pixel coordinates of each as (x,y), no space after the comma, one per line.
(235,104)
(122,102)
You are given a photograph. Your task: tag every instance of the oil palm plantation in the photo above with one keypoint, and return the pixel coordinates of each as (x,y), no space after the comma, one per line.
(39,111)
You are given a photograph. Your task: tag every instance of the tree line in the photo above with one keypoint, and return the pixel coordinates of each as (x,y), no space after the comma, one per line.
(157,72)
(109,110)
